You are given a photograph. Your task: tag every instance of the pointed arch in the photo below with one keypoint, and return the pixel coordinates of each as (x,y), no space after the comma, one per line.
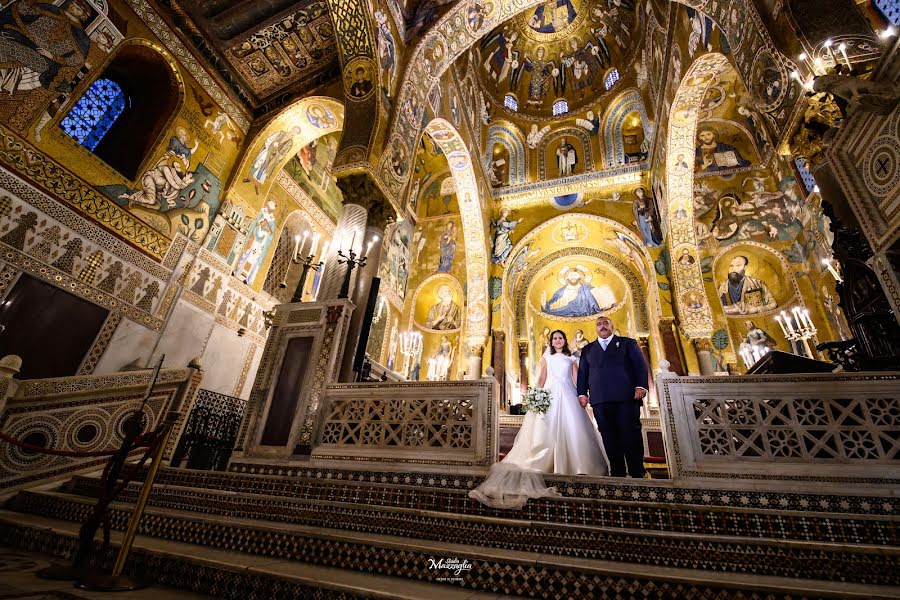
(626,103)
(689,290)
(472,215)
(300,123)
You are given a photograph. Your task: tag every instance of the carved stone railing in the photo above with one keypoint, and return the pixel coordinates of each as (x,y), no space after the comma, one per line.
(434,424)
(82,414)
(823,429)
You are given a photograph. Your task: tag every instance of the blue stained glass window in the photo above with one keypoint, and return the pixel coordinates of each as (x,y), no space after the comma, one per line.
(808,182)
(611,78)
(560,107)
(95,113)
(890,9)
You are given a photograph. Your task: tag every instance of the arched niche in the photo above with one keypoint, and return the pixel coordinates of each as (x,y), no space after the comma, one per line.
(619,118)
(635,293)
(437,314)
(152,92)
(509,137)
(548,150)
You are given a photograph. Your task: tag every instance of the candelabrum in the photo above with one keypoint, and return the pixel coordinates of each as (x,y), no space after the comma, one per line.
(410,346)
(751,353)
(798,328)
(829,264)
(350,259)
(307,265)
(439,367)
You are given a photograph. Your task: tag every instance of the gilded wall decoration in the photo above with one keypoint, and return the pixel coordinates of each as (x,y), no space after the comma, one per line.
(614,140)
(472,224)
(697,319)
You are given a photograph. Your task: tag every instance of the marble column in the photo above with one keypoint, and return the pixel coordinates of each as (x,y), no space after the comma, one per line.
(704,356)
(671,345)
(473,365)
(359,192)
(644,343)
(498,362)
(523,367)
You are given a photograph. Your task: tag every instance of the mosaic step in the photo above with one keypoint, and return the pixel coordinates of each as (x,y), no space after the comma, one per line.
(712,561)
(598,542)
(226,574)
(609,505)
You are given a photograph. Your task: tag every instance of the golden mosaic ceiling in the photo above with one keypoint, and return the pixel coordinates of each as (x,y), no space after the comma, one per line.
(559,49)
(274,46)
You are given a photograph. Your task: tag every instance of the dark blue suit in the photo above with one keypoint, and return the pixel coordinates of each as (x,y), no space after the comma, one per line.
(611,377)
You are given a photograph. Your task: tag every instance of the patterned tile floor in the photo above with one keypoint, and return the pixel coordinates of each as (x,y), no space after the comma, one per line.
(18,580)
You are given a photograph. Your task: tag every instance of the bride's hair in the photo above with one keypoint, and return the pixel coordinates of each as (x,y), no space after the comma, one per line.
(565,349)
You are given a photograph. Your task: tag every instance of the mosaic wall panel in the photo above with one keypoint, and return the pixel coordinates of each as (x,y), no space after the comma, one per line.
(21,158)
(100,344)
(47,241)
(80,414)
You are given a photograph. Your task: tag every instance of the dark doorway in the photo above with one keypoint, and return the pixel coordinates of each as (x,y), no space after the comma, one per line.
(49,328)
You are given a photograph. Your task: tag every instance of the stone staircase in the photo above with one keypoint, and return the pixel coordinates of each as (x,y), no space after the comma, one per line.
(310,532)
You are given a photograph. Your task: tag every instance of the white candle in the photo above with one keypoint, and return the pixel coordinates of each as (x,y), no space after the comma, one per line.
(352,241)
(781,324)
(787,322)
(315,244)
(843,49)
(819,67)
(828,44)
(806,316)
(296,246)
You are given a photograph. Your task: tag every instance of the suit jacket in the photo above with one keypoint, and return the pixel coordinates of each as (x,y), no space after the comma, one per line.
(612,375)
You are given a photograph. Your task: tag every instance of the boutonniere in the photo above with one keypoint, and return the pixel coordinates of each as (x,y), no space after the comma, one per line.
(617,344)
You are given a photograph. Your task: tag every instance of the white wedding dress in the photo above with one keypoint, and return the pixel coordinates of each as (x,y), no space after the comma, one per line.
(565,440)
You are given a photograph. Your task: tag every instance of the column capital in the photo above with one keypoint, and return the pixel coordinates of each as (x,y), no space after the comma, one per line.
(361,189)
(702,344)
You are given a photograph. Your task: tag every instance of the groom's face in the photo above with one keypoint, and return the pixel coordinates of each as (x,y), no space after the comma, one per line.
(604,327)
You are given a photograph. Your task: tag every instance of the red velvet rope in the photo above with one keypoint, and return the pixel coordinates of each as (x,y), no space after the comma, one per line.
(140,442)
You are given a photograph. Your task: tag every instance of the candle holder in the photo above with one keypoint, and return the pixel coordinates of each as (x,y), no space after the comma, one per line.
(307,265)
(410,346)
(798,328)
(350,259)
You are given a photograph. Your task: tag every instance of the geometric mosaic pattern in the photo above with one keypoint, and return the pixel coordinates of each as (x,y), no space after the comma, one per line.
(493,571)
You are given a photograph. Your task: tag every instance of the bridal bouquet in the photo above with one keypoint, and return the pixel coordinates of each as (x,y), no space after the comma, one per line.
(536,400)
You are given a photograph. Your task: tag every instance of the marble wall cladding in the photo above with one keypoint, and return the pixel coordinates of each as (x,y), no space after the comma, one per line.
(223,360)
(185,335)
(187,306)
(131,343)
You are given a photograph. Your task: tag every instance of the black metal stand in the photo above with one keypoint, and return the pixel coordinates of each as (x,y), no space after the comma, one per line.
(352,262)
(307,265)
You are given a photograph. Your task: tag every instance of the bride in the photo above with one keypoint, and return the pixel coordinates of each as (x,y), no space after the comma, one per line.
(565,440)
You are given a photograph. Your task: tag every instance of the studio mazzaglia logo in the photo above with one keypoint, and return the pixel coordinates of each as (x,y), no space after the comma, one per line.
(454,566)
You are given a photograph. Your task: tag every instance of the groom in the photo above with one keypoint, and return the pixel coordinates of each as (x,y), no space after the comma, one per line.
(614,370)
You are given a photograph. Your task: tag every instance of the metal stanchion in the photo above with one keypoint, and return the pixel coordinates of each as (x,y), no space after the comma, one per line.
(115,581)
